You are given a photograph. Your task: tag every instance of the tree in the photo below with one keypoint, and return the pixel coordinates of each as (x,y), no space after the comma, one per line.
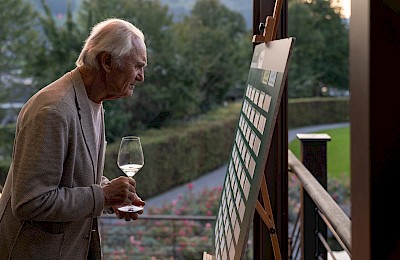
(146,107)
(191,65)
(213,47)
(58,49)
(320,56)
(17,41)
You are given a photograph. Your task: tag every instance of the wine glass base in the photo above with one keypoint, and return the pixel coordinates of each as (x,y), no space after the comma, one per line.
(130,208)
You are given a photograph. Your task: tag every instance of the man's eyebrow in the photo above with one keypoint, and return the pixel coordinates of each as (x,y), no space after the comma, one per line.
(142,63)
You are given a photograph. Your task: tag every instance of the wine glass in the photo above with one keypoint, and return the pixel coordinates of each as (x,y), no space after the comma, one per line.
(130,161)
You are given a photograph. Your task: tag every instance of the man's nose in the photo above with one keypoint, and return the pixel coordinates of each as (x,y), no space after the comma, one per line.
(140,75)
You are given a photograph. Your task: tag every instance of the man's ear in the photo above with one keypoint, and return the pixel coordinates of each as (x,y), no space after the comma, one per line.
(105,61)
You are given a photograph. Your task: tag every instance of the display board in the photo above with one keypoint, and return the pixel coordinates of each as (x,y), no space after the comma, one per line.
(252,140)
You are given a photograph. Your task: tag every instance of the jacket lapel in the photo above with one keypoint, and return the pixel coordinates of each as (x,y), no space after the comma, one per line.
(85,117)
(102,149)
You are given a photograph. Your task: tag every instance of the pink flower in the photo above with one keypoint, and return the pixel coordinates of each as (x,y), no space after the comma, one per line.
(190,186)
(132,239)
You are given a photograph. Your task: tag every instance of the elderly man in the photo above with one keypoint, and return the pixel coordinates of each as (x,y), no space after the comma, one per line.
(55,188)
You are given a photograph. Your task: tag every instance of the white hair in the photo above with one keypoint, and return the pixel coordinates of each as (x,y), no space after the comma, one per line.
(114,36)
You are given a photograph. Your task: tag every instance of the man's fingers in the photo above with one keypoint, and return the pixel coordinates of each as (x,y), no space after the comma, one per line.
(121,191)
(137,201)
(132,182)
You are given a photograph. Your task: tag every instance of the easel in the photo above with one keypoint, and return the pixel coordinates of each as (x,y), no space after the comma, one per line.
(269,33)
(264,209)
(270,27)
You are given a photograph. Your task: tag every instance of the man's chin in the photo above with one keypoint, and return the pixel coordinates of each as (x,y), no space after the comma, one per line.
(129,94)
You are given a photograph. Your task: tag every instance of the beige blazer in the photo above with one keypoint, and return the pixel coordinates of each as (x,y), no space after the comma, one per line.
(52,193)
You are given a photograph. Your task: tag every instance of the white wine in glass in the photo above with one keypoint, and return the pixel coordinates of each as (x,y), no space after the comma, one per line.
(130,161)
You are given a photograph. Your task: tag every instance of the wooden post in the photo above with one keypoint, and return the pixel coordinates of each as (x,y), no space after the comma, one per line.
(277,165)
(314,157)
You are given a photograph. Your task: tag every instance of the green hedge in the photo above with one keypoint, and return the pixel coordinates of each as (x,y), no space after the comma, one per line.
(177,155)
(4,165)
(316,111)
(7,134)
(174,156)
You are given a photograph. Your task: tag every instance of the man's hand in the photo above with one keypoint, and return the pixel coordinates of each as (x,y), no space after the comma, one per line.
(121,192)
(130,215)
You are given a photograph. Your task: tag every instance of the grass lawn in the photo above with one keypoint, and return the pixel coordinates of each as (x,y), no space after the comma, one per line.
(338,152)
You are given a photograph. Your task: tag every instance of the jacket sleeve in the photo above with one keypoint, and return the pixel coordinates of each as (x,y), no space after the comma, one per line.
(41,152)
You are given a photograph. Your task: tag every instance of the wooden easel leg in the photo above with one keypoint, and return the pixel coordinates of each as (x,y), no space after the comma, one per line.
(265,212)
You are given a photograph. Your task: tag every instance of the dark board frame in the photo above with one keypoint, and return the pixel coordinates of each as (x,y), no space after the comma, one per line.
(261,101)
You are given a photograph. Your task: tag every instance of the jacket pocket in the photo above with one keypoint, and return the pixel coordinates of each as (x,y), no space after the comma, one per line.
(33,242)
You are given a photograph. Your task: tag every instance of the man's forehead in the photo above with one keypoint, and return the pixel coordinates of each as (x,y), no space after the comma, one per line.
(139,53)
(140,58)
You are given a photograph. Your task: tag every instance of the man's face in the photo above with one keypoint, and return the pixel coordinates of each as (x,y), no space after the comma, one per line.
(121,81)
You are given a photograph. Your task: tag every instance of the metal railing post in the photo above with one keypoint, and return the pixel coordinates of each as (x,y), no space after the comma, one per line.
(314,157)
(173,239)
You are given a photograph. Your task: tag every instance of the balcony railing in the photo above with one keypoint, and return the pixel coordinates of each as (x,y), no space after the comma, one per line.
(186,237)
(319,212)
(159,237)
(156,237)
